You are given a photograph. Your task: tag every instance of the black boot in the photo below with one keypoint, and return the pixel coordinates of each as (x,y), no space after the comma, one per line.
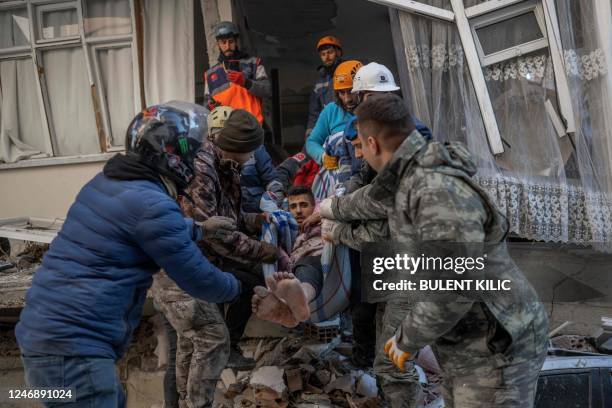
(238,361)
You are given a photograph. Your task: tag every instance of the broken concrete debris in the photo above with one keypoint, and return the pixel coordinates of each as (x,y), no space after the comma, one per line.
(269,379)
(291,373)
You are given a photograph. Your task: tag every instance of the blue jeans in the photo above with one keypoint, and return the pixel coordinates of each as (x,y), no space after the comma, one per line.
(94,380)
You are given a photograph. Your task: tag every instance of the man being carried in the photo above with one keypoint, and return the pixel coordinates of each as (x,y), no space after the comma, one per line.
(286,301)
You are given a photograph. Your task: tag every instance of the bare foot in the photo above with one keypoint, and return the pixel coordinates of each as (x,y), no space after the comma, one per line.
(267,306)
(289,289)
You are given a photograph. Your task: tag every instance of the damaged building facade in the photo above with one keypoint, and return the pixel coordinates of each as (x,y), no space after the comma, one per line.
(525,84)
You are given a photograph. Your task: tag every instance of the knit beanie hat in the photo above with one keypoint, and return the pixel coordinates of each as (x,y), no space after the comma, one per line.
(241,133)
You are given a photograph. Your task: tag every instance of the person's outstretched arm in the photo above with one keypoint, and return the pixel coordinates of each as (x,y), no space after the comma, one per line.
(168,240)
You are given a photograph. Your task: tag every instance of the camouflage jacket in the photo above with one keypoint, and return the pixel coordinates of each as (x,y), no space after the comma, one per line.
(216,191)
(367,220)
(429,196)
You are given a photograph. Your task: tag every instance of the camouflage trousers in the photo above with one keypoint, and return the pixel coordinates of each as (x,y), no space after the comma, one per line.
(512,386)
(202,352)
(399,389)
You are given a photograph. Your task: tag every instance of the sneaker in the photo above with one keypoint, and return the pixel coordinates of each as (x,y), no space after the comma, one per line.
(238,361)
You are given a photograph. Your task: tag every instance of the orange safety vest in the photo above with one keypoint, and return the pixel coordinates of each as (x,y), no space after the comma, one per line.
(227,93)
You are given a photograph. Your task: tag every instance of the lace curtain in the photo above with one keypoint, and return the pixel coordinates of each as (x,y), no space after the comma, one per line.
(551,188)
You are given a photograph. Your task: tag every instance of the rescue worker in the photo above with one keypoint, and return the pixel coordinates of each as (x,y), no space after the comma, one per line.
(258,174)
(215,191)
(87,296)
(334,117)
(490,350)
(238,80)
(371,79)
(330,52)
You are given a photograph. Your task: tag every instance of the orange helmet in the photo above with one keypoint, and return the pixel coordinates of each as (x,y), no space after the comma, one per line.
(344,74)
(329,40)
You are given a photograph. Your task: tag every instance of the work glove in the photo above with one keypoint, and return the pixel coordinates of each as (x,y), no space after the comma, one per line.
(268,253)
(329,231)
(217,228)
(397,356)
(325,209)
(236,77)
(329,162)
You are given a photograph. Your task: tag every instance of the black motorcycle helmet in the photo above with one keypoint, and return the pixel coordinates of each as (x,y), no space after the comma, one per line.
(167,137)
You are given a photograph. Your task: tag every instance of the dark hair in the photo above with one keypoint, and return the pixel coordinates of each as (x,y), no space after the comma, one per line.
(300,190)
(384,115)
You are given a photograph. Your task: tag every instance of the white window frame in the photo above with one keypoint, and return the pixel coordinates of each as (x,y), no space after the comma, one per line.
(43,8)
(417,7)
(94,48)
(461,17)
(89,44)
(504,14)
(20,49)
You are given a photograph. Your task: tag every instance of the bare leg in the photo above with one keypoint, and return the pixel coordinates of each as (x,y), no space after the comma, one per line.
(297,295)
(267,306)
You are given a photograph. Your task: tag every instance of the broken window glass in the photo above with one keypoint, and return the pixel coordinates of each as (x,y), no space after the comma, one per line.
(519,89)
(14,28)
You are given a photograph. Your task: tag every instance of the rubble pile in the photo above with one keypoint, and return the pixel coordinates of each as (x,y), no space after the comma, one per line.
(31,255)
(8,344)
(292,372)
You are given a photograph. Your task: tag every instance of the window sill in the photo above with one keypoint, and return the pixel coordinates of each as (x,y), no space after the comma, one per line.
(58,161)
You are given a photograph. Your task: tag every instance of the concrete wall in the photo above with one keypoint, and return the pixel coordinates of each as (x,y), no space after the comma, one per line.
(43,191)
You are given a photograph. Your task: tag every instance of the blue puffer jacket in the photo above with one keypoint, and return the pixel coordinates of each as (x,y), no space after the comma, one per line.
(87,296)
(257,176)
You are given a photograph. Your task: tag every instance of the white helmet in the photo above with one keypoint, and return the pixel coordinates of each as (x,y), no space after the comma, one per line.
(374,77)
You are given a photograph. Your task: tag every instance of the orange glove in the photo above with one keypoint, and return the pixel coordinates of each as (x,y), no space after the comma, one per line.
(396,355)
(329,162)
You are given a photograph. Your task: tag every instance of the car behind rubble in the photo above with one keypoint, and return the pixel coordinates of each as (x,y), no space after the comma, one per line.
(576,380)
